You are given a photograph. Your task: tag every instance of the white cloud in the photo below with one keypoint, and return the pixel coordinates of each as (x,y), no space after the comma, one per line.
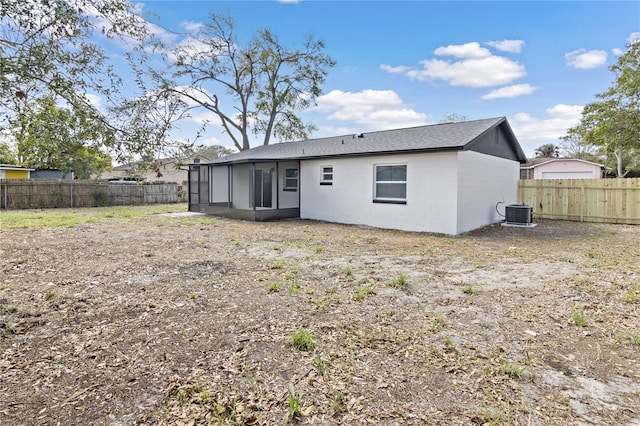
(190,49)
(533,132)
(586,59)
(394,70)
(475,66)
(510,91)
(375,109)
(477,72)
(633,38)
(210,141)
(102,24)
(95,101)
(467,50)
(191,26)
(511,46)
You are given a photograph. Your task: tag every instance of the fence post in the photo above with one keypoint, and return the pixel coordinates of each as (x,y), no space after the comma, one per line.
(582,199)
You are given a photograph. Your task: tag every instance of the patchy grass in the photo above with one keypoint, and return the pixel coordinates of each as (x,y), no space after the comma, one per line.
(121,340)
(294,289)
(579,319)
(468,289)
(295,406)
(277,264)
(72,217)
(274,287)
(364,291)
(347,271)
(290,274)
(513,371)
(302,340)
(400,281)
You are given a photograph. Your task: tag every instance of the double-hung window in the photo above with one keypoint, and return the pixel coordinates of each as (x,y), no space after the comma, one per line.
(326,177)
(290,180)
(390,183)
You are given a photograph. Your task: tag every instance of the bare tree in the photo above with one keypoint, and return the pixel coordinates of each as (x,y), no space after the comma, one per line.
(266,81)
(574,146)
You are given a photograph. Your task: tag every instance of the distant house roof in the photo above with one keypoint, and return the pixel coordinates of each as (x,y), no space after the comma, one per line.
(134,165)
(464,135)
(535,162)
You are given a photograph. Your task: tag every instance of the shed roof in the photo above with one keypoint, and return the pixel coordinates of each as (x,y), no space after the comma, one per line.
(436,137)
(12,167)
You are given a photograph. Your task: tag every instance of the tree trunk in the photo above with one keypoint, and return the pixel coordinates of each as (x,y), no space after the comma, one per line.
(620,171)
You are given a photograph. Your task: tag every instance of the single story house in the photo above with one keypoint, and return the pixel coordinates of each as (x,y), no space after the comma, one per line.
(8,171)
(160,170)
(443,178)
(560,168)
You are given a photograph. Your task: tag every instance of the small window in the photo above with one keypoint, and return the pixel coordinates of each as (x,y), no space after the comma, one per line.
(327,175)
(390,184)
(290,179)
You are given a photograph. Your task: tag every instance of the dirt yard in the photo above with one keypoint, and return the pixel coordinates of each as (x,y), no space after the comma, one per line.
(156,319)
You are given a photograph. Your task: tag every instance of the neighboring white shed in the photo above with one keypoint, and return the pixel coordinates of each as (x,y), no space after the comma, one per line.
(444,178)
(560,168)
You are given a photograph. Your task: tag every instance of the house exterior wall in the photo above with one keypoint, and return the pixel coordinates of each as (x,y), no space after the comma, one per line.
(241,186)
(569,167)
(169,174)
(431,192)
(287,199)
(483,181)
(51,174)
(219,181)
(14,174)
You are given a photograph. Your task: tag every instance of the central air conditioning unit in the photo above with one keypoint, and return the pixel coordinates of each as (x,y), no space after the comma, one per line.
(518,214)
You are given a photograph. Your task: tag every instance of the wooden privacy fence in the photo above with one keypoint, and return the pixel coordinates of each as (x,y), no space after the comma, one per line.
(55,193)
(584,200)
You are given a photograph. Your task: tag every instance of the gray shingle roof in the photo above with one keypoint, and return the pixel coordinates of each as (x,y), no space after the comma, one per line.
(436,137)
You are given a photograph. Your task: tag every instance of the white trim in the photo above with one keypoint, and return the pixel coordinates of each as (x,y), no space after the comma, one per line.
(376,182)
(324,181)
(297,178)
(554,160)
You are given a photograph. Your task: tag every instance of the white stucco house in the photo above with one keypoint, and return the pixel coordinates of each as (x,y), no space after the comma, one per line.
(560,168)
(443,178)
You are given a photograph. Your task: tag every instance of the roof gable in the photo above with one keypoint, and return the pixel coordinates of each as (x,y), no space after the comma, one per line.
(470,135)
(539,161)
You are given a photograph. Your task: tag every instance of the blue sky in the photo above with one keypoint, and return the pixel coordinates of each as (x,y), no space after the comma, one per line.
(409,63)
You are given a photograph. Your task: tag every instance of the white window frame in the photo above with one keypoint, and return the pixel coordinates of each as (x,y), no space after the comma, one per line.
(326,178)
(391,200)
(286,187)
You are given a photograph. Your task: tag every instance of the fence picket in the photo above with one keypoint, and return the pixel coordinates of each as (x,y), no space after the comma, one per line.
(584,200)
(56,193)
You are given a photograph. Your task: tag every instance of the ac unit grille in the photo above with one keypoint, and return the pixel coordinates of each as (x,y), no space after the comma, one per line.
(518,213)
